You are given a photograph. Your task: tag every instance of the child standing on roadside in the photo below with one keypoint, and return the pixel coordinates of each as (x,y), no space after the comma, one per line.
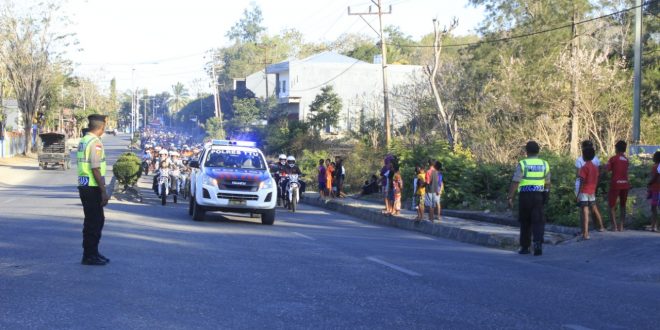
(587,189)
(654,190)
(420,192)
(619,184)
(321,178)
(397,185)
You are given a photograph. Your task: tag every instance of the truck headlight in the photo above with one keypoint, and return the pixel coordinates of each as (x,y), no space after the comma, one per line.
(268,184)
(210,181)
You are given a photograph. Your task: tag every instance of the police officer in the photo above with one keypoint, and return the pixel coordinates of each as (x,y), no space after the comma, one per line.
(532,182)
(91,186)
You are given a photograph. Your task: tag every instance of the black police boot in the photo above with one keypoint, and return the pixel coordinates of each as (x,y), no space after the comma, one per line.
(538,248)
(102,257)
(92,261)
(523,250)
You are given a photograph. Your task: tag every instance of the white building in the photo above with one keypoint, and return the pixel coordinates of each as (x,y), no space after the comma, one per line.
(359,85)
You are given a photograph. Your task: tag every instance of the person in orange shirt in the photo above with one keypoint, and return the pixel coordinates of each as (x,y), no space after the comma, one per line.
(329,172)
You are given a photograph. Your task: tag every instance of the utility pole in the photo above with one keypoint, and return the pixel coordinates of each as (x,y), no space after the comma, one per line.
(383,51)
(145,112)
(637,72)
(132,102)
(575,120)
(216,94)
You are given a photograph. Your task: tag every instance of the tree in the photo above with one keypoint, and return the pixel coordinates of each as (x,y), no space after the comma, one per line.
(213,128)
(179,97)
(446,117)
(28,50)
(246,115)
(325,109)
(249,27)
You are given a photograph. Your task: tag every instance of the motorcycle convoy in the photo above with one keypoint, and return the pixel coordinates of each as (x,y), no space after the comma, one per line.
(171,171)
(172,174)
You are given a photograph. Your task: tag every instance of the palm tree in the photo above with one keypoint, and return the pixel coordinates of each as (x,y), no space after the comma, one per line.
(179,97)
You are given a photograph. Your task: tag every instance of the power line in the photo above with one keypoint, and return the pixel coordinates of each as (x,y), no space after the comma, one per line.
(529,34)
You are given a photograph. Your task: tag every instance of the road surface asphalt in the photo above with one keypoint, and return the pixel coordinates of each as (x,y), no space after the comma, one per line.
(312,269)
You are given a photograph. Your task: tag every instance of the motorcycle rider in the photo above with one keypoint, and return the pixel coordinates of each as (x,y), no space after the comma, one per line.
(292,168)
(279,172)
(163,162)
(176,167)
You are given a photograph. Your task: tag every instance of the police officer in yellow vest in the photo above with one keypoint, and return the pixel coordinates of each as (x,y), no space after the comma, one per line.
(91,186)
(532,182)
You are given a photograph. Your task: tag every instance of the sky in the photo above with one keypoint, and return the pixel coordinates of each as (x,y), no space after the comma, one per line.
(153,44)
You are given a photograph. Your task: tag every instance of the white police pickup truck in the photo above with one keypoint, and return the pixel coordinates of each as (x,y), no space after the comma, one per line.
(232,176)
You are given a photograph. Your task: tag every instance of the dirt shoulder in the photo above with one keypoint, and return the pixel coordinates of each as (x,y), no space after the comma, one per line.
(17,169)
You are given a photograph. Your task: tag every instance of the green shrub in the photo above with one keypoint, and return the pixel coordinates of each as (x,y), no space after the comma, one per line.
(127,169)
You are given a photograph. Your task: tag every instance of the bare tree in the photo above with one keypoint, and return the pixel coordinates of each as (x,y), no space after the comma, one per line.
(445,116)
(27,49)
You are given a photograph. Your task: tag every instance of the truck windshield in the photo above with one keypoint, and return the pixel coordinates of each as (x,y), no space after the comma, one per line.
(239,159)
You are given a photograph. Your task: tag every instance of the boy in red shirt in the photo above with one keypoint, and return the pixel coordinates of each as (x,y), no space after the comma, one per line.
(619,184)
(587,190)
(654,190)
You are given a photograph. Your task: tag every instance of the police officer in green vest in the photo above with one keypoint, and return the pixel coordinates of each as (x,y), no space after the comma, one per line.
(532,182)
(91,186)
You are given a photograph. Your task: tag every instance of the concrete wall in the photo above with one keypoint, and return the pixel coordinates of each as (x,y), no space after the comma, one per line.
(13,144)
(257,84)
(359,86)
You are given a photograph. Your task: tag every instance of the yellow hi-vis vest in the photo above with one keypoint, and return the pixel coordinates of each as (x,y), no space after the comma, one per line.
(534,172)
(85,175)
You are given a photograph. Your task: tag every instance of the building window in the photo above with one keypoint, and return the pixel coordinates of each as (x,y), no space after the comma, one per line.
(283,86)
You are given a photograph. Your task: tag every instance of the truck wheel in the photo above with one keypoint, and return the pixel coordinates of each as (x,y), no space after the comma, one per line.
(198,211)
(268,217)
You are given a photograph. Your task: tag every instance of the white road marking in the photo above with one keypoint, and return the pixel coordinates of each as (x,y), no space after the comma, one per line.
(9,200)
(395,267)
(303,236)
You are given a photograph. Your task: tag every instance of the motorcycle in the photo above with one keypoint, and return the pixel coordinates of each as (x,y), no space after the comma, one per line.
(178,183)
(146,164)
(281,190)
(293,195)
(164,186)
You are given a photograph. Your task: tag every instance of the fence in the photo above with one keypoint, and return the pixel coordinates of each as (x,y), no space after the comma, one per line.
(13,144)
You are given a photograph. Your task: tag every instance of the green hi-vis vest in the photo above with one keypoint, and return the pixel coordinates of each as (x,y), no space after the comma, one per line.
(85,175)
(534,172)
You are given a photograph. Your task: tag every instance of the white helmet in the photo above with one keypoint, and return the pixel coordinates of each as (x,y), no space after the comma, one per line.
(163,152)
(282,159)
(291,161)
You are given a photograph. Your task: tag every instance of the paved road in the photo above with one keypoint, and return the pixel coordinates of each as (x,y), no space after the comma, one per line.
(313,269)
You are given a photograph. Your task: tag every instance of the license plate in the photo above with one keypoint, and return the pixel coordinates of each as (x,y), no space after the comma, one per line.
(236,202)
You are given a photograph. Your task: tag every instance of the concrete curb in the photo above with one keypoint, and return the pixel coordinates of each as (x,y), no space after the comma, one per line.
(506,221)
(111,187)
(444,230)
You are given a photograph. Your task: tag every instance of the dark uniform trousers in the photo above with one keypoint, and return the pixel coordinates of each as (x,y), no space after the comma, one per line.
(94,219)
(532,221)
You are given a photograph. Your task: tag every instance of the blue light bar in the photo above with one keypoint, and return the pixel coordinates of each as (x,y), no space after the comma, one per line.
(234,143)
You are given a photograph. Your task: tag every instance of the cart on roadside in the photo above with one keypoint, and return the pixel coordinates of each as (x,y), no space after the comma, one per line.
(53,151)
